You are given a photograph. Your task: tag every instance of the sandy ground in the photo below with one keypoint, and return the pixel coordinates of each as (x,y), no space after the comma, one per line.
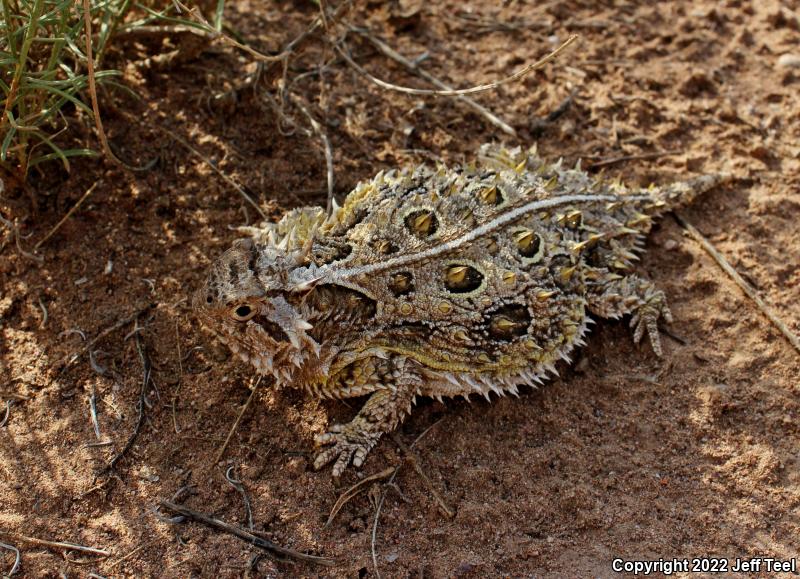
(624,456)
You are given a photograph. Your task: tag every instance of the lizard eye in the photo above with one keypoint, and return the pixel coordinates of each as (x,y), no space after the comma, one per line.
(243,313)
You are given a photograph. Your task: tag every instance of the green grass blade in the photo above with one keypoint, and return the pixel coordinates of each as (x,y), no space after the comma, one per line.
(218,15)
(59,154)
(63,154)
(7,142)
(62,93)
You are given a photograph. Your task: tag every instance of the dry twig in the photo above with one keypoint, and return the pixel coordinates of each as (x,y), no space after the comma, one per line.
(238,532)
(126,557)
(55,544)
(746,287)
(214,168)
(14,395)
(415,68)
(268,67)
(252,566)
(458,92)
(8,412)
(67,216)
(17,558)
(237,484)
(208,31)
(15,232)
(236,423)
(101,134)
(411,456)
(45,315)
(71,359)
(96,366)
(379,506)
(268,72)
(147,368)
(180,378)
(93,413)
(539,125)
(374,537)
(355,490)
(326,144)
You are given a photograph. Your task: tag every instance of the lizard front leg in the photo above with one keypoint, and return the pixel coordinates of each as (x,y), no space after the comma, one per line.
(386,408)
(631,295)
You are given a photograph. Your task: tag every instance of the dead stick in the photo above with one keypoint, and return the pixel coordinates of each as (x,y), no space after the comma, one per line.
(15,232)
(87,19)
(244,535)
(147,368)
(180,379)
(214,168)
(211,32)
(354,490)
(67,216)
(412,458)
(270,70)
(93,412)
(379,506)
(326,144)
(71,359)
(8,413)
(236,424)
(17,558)
(746,287)
(239,486)
(14,396)
(126,557)
(374,537)
(457,92)
(56,544)
(415,68)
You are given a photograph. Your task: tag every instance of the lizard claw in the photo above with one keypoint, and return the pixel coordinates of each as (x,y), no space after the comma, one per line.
(348,444)
(646,317)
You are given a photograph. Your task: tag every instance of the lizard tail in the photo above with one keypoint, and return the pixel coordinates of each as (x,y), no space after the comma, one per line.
(682,193)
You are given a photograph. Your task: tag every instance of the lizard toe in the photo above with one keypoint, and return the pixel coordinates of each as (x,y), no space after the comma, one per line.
(348,445)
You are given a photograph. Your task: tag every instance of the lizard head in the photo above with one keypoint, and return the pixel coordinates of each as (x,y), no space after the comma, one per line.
(247,301)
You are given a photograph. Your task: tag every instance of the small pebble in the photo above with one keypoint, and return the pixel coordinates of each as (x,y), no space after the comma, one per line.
(761,153)
(789,61)
(146,473)
(670,244)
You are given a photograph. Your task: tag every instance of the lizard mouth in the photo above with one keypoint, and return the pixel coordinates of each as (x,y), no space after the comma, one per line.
(262,361)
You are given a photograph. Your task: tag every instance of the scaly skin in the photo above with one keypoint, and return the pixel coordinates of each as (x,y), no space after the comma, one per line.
(437,282)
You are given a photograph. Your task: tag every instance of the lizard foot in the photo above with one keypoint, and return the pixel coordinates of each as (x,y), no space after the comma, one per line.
(349,443)
(646,317)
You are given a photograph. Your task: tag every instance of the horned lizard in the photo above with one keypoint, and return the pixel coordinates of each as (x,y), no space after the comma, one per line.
(438,282)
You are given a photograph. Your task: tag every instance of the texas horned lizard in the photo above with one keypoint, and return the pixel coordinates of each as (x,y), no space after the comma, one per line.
(437,282)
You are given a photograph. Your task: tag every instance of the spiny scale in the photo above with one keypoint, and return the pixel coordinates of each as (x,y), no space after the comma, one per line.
(438,282)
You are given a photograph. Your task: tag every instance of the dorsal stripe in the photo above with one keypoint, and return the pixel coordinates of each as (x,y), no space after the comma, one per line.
(485,229)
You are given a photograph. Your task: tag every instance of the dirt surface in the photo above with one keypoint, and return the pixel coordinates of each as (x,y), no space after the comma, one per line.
(623,456)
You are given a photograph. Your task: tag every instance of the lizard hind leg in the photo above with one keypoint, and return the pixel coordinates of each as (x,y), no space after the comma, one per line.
(636,296)
(386,408)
